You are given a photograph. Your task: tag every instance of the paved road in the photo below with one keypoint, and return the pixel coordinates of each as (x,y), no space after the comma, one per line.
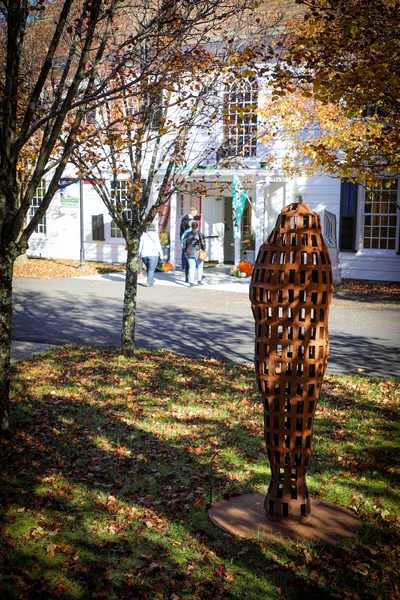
(214,320)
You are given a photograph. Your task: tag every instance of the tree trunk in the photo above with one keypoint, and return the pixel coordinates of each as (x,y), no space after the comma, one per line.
(6,271)
(21,260)
(129,312)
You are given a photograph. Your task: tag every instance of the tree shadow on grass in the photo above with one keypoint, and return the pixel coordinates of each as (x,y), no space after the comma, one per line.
(188,325)
(75,460)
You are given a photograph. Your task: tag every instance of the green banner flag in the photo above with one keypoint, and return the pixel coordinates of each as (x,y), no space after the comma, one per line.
(239,197)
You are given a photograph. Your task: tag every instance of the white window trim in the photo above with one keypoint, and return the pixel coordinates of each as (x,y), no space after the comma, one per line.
(254,90)
(44,221)
(360,250)
(116,239)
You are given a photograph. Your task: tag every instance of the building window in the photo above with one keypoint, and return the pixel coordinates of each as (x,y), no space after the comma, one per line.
(240,104)
(97,228)
(115,230)
(380,218)
(119,193)
(181,199)
(348,214)
(36,202)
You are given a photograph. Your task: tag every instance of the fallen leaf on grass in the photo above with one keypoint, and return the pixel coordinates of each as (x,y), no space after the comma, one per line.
(51,550)
(307,556)
(220,570)
(37,533)
(160,585)
(146,556)
(66,549)
(17,578)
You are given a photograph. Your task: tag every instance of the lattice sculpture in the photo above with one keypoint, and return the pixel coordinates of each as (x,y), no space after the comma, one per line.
(290,293)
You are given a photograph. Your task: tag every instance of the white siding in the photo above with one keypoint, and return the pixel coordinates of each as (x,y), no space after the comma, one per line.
(62,239)
(358,265)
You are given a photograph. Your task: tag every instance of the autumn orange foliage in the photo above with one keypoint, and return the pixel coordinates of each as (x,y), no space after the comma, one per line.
(335,97)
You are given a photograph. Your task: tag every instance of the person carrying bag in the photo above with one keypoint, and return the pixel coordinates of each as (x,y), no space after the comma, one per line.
(193,244)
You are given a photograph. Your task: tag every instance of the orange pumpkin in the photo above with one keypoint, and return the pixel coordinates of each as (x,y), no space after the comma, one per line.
(245,267)
(167,266)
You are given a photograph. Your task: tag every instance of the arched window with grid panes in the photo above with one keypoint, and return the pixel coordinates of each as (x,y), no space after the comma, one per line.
(240,131)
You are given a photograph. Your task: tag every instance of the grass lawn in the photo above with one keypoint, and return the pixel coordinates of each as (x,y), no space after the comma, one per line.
(105,484)
(52,268)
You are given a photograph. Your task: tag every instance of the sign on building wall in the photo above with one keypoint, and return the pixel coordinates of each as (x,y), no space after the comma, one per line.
(69,193)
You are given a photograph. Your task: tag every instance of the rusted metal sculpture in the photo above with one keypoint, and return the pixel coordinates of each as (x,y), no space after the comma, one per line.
(290,294)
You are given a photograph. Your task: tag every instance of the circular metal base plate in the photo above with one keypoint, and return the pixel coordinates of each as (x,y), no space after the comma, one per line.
(244,516)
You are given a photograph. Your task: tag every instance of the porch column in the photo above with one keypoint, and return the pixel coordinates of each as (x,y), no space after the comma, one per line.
(172,232)
(260,207)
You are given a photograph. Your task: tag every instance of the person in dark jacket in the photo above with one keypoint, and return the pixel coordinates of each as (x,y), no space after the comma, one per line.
(193,242)
(184,226)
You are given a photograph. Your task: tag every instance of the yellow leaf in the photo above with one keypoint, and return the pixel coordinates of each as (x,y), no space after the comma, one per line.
(307,556)
(50,549)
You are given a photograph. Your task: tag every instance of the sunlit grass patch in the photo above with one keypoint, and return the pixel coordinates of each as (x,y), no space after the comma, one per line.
(106,482)
(51,268)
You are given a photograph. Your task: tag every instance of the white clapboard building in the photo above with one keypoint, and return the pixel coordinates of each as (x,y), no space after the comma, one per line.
(361,228)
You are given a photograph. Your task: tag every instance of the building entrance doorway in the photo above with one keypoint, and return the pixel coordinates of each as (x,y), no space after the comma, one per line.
(212,215)
(245,228)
